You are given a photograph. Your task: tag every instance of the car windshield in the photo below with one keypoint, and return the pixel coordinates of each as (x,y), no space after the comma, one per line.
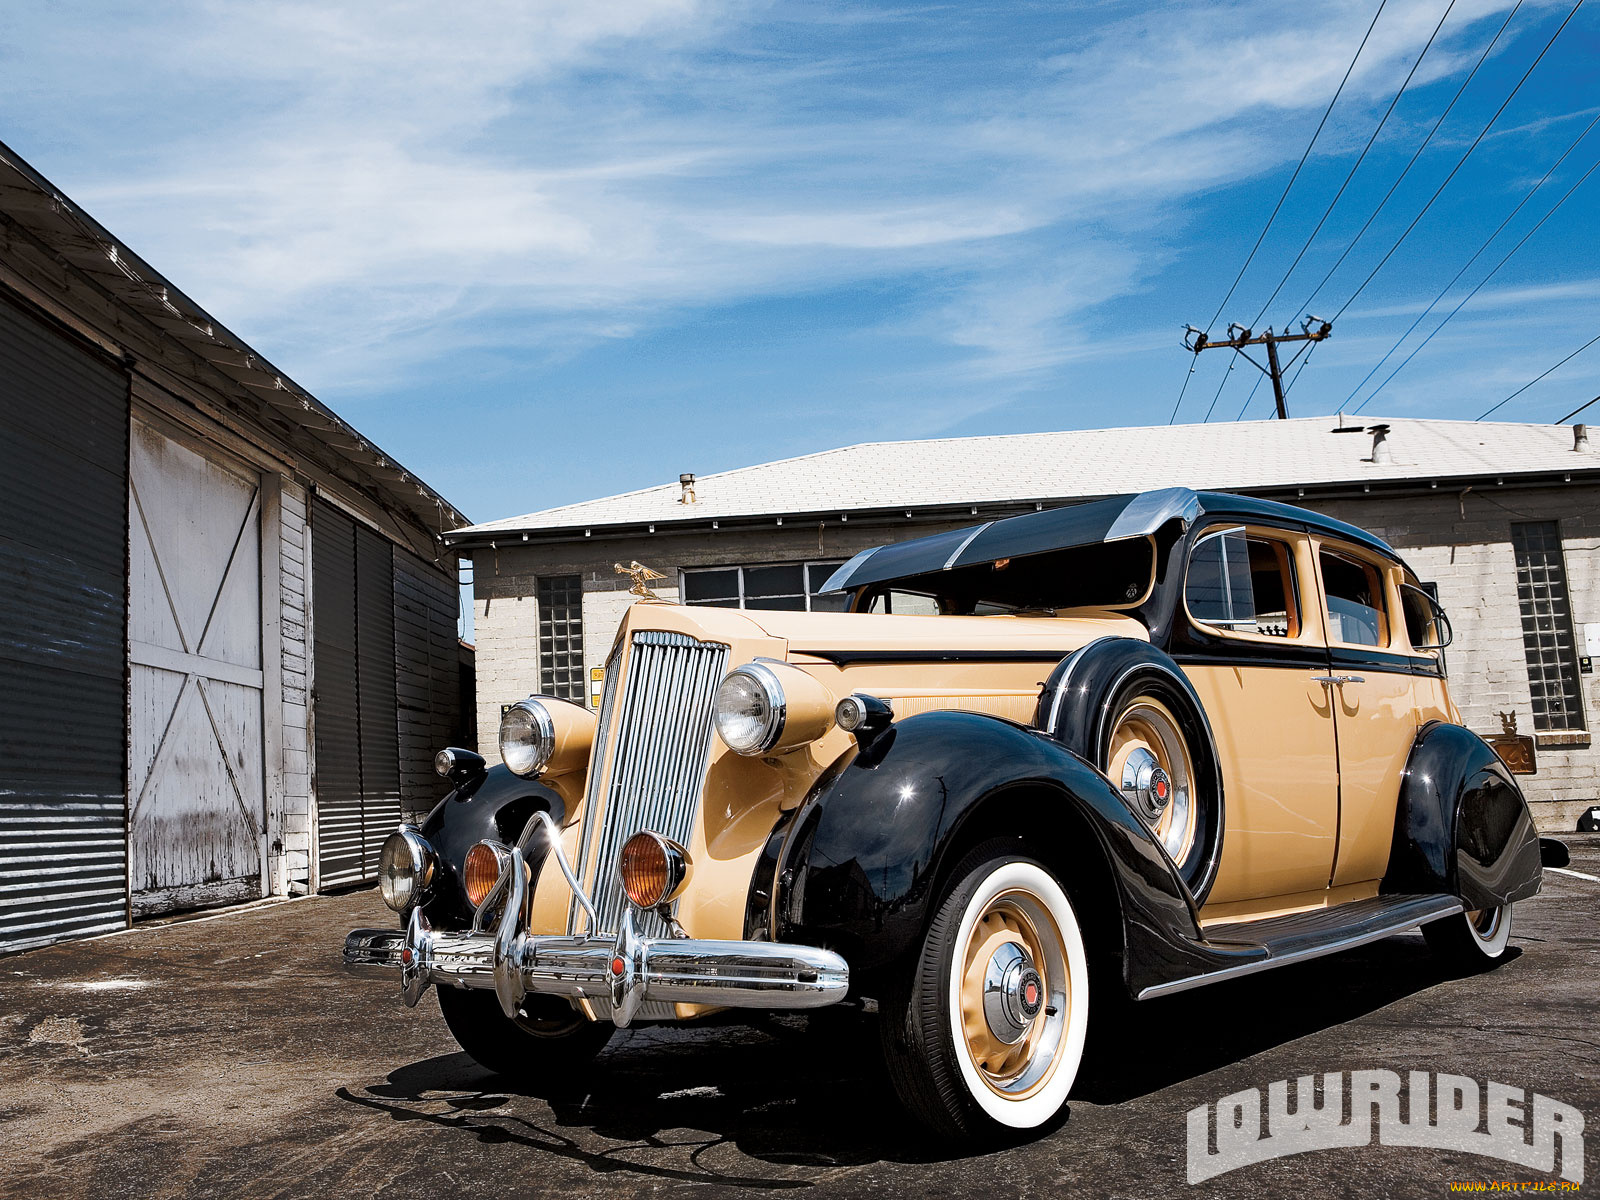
(1102,575)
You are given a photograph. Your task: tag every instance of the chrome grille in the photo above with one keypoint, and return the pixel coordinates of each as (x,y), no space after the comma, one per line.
(662,741)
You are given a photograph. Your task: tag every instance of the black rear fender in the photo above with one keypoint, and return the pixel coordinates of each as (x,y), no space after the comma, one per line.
(1462,826)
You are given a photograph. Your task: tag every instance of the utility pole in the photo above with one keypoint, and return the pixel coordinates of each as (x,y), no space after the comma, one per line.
(1195,340)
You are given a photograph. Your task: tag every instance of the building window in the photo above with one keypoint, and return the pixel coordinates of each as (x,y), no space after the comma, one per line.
(791,586)
(1547,636)
(561,637)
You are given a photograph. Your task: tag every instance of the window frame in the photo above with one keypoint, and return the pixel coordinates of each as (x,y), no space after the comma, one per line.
(1563,665)
(578,686)
(1389,599)
(1293,544)
(823,568)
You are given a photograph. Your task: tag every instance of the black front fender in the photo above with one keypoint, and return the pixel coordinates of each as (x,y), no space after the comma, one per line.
(494,807)
(867,855)
(1462,826)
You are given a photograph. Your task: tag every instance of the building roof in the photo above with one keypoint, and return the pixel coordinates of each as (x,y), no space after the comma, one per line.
(1254,456)
(152,323)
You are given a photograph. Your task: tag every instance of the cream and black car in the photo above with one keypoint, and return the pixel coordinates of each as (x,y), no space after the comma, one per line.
(1043,769)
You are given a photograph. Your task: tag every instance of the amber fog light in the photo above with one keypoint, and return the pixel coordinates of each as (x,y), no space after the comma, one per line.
(481,871)
(654,869)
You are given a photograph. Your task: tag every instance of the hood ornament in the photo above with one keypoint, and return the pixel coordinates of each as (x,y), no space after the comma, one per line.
(642,577)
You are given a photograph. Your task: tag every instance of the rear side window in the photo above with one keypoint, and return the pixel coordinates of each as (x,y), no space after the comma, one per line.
(902,603)
(1244,583)
(1355,601)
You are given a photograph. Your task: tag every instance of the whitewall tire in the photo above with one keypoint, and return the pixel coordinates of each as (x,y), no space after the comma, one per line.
(1473,940)
(991,1035)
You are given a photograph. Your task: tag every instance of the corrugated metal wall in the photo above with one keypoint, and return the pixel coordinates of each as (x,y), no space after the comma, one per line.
(63,656)
(336,716)
(375,666)
(427,656)
(386,690)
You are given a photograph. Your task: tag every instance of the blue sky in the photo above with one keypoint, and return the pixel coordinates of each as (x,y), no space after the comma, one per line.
(547,251)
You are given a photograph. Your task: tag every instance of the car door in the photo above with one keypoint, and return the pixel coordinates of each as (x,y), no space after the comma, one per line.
(1371,680)
(1253,647)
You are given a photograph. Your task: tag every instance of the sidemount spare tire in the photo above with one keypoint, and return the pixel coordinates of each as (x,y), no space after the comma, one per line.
(1128,709)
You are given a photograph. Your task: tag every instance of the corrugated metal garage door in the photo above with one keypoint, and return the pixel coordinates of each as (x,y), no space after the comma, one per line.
(63,542)
(353,695)
(428,670)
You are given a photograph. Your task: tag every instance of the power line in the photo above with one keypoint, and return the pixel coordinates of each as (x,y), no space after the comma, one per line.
(1461,163)
(1193,363)
(1577,410)
(1535,379)
(1289,387)
(1581,179)
(1226,375)
(1249,398)
(1279,205)
(1359,160)
(1445,291)
(1416,154)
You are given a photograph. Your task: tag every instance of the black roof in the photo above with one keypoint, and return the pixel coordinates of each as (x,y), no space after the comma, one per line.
(1113,519)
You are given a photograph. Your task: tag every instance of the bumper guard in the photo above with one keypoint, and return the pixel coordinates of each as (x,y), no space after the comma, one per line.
(625,970)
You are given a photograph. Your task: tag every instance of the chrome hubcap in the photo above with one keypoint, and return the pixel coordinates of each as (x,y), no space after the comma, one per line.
(1013,993)
(1146,784)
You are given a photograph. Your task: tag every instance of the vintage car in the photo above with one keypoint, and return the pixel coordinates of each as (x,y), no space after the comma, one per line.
(1042,770)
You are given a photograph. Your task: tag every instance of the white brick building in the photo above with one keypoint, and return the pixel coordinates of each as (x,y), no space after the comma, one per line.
(1494,514)
(229,645)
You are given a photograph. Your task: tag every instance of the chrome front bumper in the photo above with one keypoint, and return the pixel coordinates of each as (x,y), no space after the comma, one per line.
(625,970)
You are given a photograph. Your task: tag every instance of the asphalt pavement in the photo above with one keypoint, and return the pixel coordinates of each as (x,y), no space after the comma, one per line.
(232,1056)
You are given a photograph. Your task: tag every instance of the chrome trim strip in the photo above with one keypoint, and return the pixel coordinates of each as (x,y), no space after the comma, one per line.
(965,542)
(1376,930)
(552,833)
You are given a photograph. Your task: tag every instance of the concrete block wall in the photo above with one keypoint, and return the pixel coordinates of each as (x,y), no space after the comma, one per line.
(289,847)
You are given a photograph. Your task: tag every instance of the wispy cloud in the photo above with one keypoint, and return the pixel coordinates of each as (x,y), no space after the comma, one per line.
(371,192)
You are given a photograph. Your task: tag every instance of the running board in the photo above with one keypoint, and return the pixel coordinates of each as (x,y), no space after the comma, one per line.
(1298,937)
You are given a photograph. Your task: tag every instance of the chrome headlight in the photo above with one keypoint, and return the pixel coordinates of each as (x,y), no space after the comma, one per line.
(527,737)
(750,709)
(405,868)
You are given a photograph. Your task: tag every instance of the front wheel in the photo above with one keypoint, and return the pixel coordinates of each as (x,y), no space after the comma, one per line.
(549,1035)
(990,1034)
(1472,941)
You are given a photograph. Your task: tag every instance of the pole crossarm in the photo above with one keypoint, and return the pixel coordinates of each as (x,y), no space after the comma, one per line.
(1312,329)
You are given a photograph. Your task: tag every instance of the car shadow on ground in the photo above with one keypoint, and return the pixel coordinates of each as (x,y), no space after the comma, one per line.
(764,1104)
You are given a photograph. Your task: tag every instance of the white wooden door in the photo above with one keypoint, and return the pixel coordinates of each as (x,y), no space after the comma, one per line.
(195,782)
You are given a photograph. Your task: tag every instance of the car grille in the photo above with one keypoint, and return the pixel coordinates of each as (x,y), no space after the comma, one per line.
(656,725)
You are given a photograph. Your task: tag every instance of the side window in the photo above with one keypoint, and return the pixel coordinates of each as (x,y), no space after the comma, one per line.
(1243,582)
(905,604)
(1355,601)
(1427,627)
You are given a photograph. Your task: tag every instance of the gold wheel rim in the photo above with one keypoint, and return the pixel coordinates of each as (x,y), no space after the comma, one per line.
(1014,1070)
(1147,724)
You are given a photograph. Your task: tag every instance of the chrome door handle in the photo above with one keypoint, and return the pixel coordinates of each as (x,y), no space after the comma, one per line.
(1330,680)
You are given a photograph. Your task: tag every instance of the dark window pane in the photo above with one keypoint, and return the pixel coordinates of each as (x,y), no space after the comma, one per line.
(774,581)
(703,587)
(795,603)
